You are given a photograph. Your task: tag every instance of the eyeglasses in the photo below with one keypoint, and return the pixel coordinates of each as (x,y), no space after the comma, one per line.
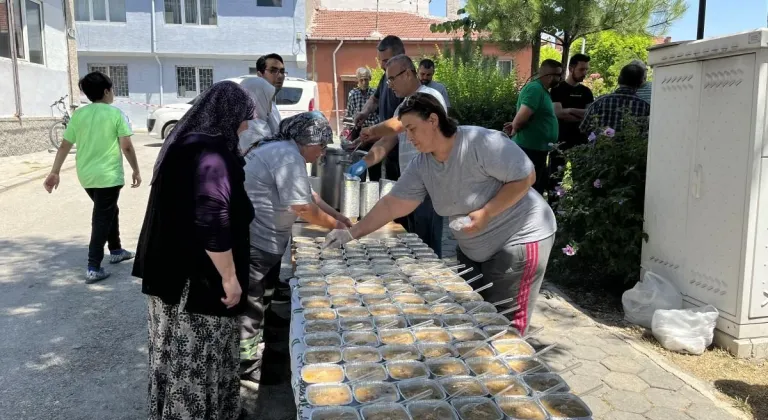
(391,80)
(275,70)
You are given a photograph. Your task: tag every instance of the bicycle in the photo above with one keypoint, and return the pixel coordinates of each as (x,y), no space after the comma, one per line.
(56,130)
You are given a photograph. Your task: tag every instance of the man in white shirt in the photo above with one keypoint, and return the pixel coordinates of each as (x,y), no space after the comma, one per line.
(271,68)
(404,81)
(426,73)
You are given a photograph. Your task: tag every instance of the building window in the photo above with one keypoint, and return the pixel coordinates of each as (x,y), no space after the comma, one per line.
(27,29)
(505,67)
(5,33)
(191,12)
(100,10)
(34,21)
(191,81)
(119,75)
(269,3)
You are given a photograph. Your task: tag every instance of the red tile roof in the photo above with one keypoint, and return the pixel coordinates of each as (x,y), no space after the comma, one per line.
(361,25)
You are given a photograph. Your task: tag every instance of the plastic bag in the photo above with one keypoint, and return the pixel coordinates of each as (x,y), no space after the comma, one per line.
(460,223)
(685,330)
(654,292)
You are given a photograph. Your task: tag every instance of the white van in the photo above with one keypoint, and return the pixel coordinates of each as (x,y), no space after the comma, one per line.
(297,96)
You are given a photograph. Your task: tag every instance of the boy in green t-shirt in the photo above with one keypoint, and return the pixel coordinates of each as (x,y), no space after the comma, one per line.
(102,134)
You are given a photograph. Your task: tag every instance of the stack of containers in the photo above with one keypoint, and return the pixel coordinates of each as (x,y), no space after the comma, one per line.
(391,333)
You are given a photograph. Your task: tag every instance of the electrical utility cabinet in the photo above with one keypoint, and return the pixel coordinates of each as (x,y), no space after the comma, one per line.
(706,197)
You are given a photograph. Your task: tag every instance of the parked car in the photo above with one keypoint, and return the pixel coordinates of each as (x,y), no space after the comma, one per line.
(297,96)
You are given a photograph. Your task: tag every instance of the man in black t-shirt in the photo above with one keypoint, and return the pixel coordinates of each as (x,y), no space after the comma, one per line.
(571,100)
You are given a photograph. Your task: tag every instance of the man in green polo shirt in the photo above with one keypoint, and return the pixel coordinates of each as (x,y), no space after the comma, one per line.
(535,128)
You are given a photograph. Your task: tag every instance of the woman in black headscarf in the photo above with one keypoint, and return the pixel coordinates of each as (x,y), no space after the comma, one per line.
(192,258)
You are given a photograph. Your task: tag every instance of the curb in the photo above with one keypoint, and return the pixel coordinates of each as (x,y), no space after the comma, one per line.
(704,388)
(30,177)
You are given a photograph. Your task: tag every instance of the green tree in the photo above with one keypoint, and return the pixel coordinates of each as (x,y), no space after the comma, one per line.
(609,51)
(480,94)
(514,23)
(376,74)
(549,52)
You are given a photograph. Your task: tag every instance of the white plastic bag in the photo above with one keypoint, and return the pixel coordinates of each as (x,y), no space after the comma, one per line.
(460,223)
(685,330)
(654,292)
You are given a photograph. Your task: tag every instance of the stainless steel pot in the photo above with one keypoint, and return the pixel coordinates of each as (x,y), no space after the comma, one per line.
(330,170)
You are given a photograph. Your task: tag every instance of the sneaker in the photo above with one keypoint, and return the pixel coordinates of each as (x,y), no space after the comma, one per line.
(93,275)
(120,255)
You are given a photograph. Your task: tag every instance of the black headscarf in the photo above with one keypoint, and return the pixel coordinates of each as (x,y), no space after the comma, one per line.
(218,111)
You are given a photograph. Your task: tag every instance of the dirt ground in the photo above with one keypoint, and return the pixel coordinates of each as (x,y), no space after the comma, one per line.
(741,382)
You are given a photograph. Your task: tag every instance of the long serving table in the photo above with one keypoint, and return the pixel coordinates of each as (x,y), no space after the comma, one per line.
(466,364)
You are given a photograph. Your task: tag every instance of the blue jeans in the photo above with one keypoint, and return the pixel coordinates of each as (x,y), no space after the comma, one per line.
(426,223)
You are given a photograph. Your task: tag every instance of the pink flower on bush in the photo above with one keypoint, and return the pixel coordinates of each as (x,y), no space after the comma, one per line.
(592,137)
(560,191)
(597,184)
(569,251)
(609,132)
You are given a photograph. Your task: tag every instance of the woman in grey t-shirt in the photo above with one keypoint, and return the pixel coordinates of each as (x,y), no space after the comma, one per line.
(481,174)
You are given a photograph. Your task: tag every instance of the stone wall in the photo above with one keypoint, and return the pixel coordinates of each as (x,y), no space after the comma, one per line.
(28,136)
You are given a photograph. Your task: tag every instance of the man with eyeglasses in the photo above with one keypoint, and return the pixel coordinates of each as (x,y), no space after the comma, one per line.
(404,81)
(271,68)
(385,101)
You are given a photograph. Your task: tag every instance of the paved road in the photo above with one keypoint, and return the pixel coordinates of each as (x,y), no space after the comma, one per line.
(72,351)
(69,350)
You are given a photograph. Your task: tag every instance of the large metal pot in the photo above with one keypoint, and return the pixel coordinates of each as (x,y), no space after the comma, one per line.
(330,170)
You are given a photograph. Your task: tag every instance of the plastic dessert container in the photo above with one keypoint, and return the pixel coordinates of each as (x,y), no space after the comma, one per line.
(329,394)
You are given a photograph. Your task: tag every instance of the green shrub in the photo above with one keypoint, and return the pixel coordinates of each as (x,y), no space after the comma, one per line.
(479,94)
(376,74)
(600,210)
(597,85)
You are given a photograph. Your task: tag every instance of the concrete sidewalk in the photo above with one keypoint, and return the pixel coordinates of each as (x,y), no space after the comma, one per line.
(636,382)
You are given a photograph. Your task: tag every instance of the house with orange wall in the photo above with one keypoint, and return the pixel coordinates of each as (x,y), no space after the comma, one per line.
(341,41)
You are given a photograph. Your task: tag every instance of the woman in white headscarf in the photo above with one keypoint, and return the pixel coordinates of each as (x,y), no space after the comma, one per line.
(262,125)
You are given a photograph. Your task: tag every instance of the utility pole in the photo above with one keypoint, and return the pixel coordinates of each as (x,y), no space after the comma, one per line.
(702,13)
(72,69)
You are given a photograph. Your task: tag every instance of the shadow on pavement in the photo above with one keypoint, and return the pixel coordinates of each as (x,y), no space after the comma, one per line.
(68,350)
(274,399)
(754,396)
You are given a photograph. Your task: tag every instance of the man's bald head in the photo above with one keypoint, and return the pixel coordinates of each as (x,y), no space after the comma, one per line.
(401,76)
(401,62)
(550,73)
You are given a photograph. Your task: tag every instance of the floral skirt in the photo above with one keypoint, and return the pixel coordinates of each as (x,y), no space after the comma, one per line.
(193,364)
